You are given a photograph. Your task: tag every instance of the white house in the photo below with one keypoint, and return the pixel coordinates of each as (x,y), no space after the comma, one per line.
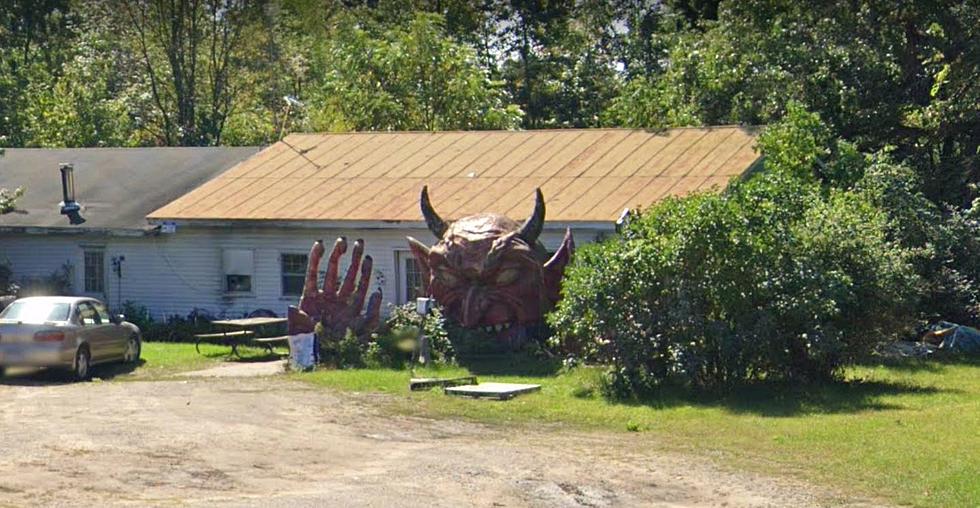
(239,241)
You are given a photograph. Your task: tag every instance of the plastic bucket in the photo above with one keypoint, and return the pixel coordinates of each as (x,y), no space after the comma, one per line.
(302,351)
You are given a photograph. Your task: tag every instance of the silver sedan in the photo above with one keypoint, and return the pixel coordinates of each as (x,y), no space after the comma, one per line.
(73,333)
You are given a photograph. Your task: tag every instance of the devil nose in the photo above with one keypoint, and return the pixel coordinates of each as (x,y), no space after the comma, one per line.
(473,306)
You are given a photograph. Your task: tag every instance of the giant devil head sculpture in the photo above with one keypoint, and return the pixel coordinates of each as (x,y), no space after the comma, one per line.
(490,271)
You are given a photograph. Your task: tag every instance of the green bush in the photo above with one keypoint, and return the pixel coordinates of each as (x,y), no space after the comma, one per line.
(404,323)
(777,278)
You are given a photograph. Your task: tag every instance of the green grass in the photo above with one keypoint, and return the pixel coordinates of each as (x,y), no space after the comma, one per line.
(908,433)
(163,359)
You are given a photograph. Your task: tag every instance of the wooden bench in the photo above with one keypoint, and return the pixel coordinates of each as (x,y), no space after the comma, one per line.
(231,338)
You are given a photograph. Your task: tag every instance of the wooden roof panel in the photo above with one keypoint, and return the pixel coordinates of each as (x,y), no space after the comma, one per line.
(585,174)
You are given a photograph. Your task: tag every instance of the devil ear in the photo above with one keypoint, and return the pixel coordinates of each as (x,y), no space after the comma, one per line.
(421,254)
(554,269)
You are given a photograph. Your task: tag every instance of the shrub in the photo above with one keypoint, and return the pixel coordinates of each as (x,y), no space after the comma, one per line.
(57,283)
(404,323)
(778,278)
(137,314)
(7,285)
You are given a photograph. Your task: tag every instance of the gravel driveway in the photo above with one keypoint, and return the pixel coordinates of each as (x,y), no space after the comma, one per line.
(270,441)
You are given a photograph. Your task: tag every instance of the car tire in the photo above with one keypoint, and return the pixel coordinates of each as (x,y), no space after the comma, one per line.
(81,369)
(133,349)
(3,371)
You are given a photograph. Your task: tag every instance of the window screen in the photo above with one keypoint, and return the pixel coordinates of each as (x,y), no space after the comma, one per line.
(293,268)
(94,271)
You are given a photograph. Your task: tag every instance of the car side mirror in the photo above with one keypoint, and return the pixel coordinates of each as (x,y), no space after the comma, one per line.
(118,318)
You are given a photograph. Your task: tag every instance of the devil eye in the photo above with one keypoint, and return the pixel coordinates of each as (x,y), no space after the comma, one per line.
(507,276)
(447,278)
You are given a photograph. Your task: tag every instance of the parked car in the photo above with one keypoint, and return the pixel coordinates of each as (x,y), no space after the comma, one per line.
(73,333)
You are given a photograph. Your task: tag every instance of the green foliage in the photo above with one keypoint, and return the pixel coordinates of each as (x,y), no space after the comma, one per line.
(57,283)
(878,75)
(7,285)
(408,78)
(785,276)
(405,324)
(137,314)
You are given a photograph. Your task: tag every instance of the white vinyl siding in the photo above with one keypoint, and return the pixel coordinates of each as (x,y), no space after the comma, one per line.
(173,274)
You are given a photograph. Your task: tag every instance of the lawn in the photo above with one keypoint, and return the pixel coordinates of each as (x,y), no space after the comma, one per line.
(163,359)
(907,432)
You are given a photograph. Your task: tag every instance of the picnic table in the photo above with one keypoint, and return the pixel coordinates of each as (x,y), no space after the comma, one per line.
(242,331)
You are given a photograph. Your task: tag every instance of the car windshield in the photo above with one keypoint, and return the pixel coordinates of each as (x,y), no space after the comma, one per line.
(36,311)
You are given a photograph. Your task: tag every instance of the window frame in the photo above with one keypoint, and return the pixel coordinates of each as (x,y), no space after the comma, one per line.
(93,251)
(300,274)
(402,274)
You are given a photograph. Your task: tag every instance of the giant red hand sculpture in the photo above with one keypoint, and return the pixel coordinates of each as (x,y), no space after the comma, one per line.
(337,309)
(488,270)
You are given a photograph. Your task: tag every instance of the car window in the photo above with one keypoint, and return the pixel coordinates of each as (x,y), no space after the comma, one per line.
(87,315)
(102,312)
(34,311)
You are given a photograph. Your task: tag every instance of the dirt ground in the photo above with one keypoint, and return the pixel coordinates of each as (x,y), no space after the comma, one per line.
(269,441)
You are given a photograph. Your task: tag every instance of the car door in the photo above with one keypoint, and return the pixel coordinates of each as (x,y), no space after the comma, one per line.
(116,334)
(95,333)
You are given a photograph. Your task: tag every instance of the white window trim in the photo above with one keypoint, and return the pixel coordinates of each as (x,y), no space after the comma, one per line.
(282,294)
(82,276)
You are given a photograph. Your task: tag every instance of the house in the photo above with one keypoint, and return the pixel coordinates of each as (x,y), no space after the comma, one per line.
(239,241)
(116,188)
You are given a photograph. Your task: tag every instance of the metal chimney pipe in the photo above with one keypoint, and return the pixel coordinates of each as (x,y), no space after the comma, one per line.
(67,182)
(69,206)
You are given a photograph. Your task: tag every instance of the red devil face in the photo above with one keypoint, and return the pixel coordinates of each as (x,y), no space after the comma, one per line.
(489,271)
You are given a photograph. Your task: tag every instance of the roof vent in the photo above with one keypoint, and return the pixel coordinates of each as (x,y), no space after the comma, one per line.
(69,206)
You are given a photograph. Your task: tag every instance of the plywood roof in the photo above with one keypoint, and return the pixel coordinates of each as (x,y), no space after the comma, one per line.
(586,174)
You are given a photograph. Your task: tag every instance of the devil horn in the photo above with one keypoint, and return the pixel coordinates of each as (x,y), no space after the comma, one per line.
(432,219)
(531,228)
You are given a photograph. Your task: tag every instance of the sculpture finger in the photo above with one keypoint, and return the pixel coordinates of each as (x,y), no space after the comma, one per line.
(362,286)
(307,302)
(372,316)
(355,263)
(330,281)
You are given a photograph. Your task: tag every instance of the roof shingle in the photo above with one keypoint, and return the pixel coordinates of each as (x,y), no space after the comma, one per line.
(586,174)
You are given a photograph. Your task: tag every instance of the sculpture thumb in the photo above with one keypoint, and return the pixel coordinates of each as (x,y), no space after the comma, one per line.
(298,322)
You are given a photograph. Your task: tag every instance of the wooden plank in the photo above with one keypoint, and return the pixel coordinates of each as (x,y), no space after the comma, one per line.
(500,391)
(272,340)
(427,383)
(231,335)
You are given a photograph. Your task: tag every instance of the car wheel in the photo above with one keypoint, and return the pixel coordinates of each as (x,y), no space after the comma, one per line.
(3,371)
(133,347)
(81,370)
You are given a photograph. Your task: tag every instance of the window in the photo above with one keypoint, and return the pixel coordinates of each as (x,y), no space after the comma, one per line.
(87,315)
(34,311)
(238,266)
(293,268)
(94,271)
(409,278)
(102,312)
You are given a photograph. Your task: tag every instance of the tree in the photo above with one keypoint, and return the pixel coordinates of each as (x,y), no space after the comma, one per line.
(35,40)
(411,77)
(191,52)
(86,105)
(878,74)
